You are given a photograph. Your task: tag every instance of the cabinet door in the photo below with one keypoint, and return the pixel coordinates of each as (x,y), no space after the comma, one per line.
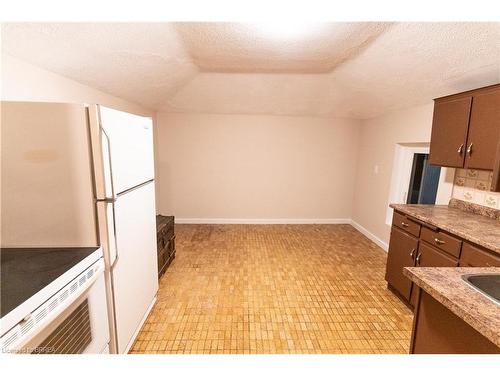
(428,256)
(449,132)
(402,249)
(484,130)
(437,330)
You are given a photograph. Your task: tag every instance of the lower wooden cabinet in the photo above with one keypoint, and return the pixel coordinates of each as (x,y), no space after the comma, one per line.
(402,251)
(414,244)
(437,330)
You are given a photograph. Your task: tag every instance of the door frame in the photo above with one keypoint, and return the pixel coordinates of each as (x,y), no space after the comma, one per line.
(401,175)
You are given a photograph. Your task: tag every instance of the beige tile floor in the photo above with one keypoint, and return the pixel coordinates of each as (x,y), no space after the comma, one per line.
(275,289)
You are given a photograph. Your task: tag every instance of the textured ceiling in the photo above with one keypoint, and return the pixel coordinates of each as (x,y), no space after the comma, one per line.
(243,48)
(356,70)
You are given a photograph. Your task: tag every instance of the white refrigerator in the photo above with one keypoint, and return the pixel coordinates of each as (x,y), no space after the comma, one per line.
(122,146)
(83,175)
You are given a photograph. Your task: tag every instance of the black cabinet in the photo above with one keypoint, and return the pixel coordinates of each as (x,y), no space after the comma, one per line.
(165,233)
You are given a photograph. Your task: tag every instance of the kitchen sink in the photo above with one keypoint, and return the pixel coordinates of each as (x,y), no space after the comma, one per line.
(487,284)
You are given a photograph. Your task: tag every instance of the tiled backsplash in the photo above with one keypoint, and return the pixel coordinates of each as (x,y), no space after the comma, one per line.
(472,185)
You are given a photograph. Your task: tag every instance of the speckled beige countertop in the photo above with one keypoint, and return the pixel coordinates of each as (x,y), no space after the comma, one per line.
(475,228)
(445,284)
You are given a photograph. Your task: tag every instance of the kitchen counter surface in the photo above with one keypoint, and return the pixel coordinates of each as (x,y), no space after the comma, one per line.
(445,284)
(478,229)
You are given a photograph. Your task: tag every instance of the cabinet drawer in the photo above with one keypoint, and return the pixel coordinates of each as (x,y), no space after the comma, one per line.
(442,240)
(473,256)
(401,221)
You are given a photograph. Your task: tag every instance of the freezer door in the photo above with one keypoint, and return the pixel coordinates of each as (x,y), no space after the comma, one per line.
(129,141)
(134,274)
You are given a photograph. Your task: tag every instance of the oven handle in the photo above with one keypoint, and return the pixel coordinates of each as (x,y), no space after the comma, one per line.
(51,317)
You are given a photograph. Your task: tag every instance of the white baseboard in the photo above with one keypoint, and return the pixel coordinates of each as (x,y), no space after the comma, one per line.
(370,235)
(260,221)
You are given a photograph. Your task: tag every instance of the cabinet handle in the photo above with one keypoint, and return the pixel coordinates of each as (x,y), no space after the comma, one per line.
(418,258)
(412,252)
(461,149)
(438,241)
(469,149)
(404,224)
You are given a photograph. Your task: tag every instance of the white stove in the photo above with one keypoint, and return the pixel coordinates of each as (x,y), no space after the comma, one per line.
(53,301)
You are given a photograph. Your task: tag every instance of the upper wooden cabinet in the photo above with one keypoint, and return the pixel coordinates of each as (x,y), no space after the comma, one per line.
(484,130)
(466,131)
(449,132)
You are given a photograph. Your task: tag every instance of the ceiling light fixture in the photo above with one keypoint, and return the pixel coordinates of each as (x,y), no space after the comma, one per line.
(287,29)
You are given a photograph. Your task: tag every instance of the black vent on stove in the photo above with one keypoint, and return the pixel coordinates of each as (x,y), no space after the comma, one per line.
(72,336)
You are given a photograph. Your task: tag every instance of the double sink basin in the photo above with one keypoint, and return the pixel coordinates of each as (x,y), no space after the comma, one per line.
(486,284)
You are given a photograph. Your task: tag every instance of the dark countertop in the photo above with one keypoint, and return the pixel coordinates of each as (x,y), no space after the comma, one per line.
(445,284)
(478,229)
(26,271)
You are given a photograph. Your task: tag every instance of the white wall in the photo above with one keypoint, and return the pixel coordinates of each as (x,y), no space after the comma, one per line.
(47,188)
(22,81)
(378,139)
(253,168)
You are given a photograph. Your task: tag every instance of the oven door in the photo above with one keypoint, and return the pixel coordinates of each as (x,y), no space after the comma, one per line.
(73,321)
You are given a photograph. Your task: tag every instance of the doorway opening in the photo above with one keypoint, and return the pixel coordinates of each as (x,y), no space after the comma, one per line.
(414,181)
(424,181)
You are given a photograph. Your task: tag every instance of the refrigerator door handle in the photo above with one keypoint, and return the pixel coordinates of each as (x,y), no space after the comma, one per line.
(109,168)
(109,201)
(112,206)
